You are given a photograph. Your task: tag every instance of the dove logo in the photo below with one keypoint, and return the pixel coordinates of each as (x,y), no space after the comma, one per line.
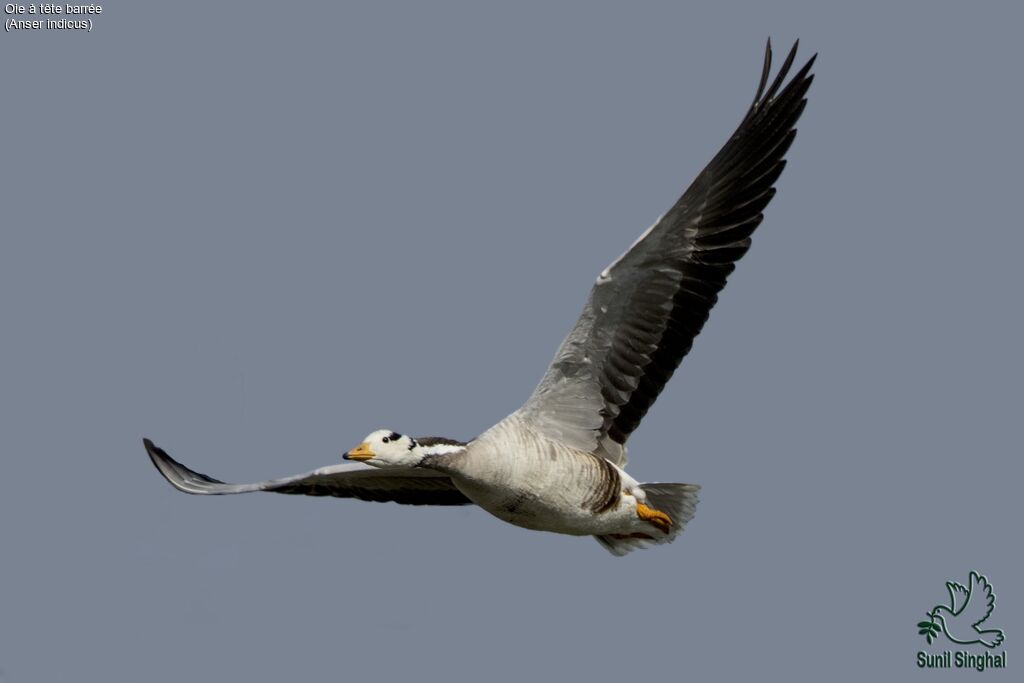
(964,620)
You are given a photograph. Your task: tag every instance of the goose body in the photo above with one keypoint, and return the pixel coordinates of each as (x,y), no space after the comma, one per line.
(531,481)
(557,464)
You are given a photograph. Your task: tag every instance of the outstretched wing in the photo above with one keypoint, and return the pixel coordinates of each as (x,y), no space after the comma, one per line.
(647,307)
(411,486)
(957,596)
(980,600)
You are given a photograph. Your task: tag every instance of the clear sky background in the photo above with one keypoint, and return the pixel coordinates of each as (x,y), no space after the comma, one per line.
(255,232)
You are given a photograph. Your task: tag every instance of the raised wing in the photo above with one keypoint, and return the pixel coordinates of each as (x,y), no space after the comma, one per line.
(980,601)
(410,486)
(645,309)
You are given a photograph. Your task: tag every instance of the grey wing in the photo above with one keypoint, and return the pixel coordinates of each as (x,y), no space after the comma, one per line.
(411,486)
(646,308)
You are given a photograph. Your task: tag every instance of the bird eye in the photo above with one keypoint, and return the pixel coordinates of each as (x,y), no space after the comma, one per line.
(386,439)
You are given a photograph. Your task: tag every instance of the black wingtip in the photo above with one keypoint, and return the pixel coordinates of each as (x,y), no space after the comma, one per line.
(766,69)
(155,453)
(780,77)
(763,95)
(159,457)
(179,476)
(767,93)
(164,463)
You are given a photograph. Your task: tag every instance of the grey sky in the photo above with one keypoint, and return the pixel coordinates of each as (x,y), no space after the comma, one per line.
(255,232)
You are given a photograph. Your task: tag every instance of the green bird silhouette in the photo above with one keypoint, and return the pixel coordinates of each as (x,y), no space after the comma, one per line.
(968,609)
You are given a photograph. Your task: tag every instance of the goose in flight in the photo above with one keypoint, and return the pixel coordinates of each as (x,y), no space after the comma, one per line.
(557,463)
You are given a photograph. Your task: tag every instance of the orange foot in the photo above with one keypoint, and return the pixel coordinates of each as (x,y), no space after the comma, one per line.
(655,517)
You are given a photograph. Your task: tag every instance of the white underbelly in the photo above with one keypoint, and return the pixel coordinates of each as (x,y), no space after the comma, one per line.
(560,512)
(533,482)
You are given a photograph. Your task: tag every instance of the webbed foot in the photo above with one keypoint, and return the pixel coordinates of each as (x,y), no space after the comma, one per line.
(655,517)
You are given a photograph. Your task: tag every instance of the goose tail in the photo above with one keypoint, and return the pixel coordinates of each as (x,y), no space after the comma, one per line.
(678,501)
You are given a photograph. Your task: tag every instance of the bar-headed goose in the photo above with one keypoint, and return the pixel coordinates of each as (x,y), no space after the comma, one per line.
(556,464)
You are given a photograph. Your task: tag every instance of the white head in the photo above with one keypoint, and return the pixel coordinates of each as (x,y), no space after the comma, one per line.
(385,448)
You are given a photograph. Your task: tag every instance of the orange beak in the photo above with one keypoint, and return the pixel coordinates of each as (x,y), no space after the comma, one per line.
(360,452)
